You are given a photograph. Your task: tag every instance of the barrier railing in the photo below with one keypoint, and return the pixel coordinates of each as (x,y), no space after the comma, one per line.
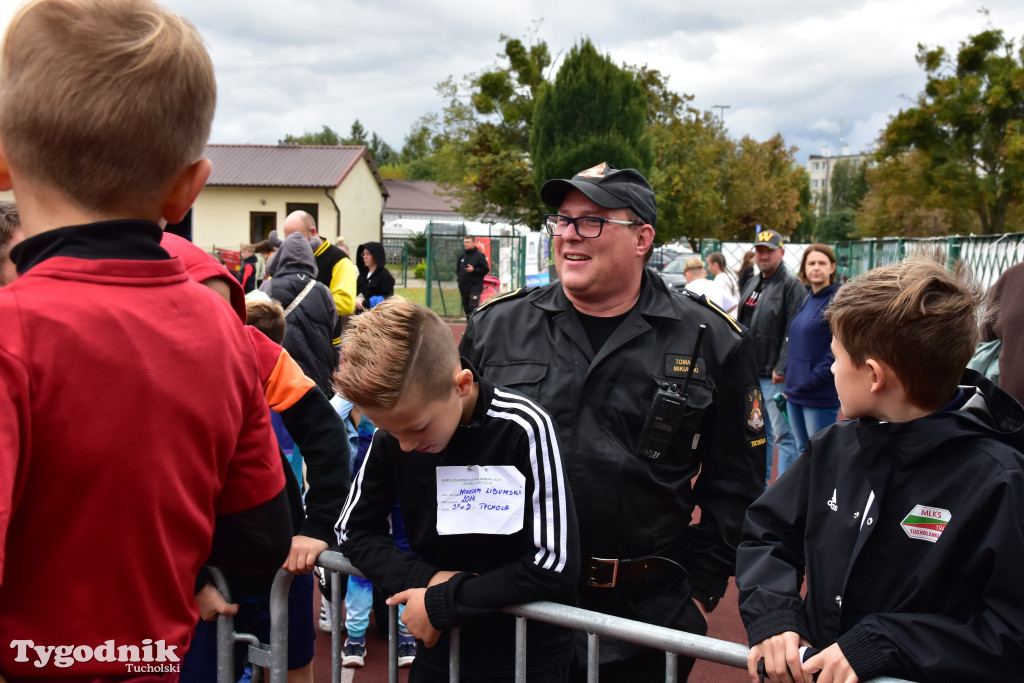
(596,625)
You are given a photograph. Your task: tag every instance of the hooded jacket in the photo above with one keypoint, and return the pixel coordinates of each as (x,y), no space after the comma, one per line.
(911,535)
(475,280)
(378,283)
(313,325)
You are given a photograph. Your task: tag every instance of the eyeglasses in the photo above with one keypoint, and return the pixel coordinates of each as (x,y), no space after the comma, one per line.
(586,226)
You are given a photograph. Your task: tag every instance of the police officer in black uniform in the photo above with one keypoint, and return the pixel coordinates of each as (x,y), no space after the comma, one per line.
(649,387)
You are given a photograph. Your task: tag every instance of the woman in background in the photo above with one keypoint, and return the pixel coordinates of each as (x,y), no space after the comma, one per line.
(375,282)
(811,398)
(746,269)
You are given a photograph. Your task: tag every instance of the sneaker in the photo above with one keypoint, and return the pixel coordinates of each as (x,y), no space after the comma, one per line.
(406,650)
(353,651)
(325,616)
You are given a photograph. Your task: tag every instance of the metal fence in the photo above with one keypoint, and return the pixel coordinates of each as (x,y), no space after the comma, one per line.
(274,657)
(506,254)
(987,255)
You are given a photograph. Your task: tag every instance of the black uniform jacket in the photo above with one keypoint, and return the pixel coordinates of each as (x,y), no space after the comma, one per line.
(913,542)
(629,505)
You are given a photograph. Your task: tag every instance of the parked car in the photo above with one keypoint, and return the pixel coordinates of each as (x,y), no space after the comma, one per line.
(672,272)
(661,257)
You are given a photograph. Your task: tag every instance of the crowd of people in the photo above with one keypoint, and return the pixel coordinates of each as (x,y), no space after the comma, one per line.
(558,451)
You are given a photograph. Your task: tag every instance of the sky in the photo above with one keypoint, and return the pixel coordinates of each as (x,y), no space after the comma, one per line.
(798,68)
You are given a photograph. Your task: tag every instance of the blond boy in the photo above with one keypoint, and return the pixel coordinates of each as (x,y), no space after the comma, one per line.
(477,472)
(134,437)
(906,517)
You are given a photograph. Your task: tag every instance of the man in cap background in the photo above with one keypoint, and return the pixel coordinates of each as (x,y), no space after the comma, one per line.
(768,304)
(597,349)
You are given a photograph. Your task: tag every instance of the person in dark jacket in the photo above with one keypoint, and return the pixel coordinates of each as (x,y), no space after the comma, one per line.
(907,517)
(1006,322)
(478,474)
(247,274)
(334,268)
(297,401)
(767,306)
(811,400)
(596,349)
(469,273)
(375,282)
(312,319)
(746,270)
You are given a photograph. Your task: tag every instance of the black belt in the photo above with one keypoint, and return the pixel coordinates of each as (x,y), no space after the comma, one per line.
(604,573)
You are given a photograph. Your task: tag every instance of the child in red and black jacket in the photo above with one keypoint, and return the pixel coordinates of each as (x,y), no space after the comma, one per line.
(316,427)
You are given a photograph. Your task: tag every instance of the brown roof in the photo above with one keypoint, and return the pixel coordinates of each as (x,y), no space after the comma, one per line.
(418,196)
(285,165)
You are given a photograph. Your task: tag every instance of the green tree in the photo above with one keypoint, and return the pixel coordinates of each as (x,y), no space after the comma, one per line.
(968,127)
(848,185)
(482,141)
(421,144)
(903,202)
(764,187)
(381,151)
(838,226)
(325,137)
(809,224)
(356,135)
(594,111)
(691,157)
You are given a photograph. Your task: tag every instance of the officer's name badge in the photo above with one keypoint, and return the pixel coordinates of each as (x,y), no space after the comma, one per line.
(677,365)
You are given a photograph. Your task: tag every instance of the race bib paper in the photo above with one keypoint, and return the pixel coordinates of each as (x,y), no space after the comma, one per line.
(480,500)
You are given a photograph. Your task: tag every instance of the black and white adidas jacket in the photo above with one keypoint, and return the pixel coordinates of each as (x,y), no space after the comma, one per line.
(508,438)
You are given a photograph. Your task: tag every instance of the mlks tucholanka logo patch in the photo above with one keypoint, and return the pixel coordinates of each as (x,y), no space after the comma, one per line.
(926,523)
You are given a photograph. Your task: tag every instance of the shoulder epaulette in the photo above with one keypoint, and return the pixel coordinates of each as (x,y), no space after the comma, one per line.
(506,296)
(700,298)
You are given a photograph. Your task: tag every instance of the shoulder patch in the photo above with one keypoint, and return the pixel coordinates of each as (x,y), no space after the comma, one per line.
(700,298)
(505,296)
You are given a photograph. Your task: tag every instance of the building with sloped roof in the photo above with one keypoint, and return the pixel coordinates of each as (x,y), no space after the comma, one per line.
(252,188)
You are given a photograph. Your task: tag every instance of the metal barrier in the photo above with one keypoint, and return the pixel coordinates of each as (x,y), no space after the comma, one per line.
(595,624)
(987,255)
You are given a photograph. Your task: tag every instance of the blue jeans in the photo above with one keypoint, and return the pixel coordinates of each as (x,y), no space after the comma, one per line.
(806,422)
(358,603)
(777,430)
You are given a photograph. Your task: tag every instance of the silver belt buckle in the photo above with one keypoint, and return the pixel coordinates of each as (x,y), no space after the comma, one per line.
(595,581)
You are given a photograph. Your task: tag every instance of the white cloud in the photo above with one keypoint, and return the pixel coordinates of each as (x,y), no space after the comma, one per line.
(795,68)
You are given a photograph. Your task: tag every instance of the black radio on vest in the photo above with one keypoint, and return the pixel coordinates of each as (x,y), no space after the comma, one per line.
(667,410)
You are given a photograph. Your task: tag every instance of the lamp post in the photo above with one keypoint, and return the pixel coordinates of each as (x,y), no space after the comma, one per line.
(721,111)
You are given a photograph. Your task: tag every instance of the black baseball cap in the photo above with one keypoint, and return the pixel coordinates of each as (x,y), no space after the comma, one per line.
(607,186)
(769,238)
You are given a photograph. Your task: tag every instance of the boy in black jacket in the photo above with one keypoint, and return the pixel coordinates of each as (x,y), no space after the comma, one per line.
(478,474)
(906,518)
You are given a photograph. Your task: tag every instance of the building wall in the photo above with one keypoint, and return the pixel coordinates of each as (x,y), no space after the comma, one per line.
(220,216)
(820,170)
(361,203)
